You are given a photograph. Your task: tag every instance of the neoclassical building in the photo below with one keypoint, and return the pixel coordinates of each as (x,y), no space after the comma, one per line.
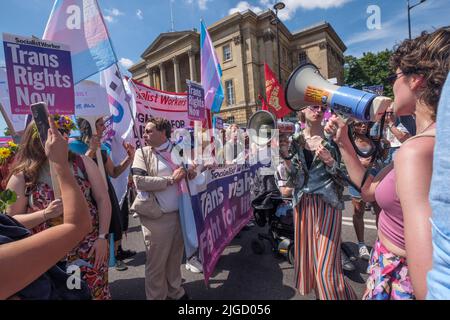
(243,43)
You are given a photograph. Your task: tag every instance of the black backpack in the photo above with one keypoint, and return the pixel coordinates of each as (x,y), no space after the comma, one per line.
(52,285)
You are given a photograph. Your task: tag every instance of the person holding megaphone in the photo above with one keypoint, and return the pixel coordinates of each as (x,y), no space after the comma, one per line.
(318,204)
(402,254)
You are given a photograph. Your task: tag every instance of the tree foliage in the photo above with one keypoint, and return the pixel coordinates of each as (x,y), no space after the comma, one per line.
(7,132)
(369,70)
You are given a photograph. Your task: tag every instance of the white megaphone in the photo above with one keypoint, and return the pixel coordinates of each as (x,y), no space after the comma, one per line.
(306,86)
(261,123)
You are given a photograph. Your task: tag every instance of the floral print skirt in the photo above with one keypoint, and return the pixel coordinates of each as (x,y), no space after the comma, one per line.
(388,276)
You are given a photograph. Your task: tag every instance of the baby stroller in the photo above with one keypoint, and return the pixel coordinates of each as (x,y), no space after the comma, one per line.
(272,209)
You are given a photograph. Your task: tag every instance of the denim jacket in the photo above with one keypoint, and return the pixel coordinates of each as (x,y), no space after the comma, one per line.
(438,278)
(320,179)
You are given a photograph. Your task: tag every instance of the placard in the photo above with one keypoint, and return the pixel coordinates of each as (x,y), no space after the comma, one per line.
(38,71)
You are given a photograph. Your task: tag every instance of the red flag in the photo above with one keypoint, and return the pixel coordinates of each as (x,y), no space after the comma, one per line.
(263,103)
(275,94)
(207,122)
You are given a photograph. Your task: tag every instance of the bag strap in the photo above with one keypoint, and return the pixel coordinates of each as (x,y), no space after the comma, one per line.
(80,164)
(149,158)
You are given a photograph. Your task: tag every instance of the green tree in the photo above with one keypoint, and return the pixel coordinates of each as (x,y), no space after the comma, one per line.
(369,70)
(7,132)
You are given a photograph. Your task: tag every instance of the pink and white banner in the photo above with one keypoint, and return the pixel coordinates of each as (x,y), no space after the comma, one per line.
(151,102)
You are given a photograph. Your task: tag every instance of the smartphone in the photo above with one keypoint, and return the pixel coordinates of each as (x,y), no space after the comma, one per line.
(39,112)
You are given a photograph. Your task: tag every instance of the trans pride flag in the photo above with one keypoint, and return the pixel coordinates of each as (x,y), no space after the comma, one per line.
(122,122)
(211,72)
(80,25)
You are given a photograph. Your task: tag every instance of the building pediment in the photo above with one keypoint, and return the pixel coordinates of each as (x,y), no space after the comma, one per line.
(165,40)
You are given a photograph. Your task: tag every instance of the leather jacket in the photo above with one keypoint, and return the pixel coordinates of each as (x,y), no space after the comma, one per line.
(319,179)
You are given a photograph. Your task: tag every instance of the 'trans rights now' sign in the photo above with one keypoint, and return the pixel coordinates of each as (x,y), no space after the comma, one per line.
(196,101)
(38,71)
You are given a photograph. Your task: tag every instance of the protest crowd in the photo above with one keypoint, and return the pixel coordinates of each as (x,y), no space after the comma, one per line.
(194,185)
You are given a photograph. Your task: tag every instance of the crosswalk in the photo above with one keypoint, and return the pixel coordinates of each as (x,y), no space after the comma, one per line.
(368,223)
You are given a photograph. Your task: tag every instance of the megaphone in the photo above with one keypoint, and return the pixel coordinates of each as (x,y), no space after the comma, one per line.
(306,86)
(262,122)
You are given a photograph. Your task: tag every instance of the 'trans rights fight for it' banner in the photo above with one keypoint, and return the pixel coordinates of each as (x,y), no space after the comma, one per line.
(221,203)
(38,71)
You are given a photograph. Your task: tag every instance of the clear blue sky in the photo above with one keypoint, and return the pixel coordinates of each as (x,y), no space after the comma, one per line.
(134,24)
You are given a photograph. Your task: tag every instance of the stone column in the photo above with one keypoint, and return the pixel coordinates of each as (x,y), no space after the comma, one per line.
(192,66)
(162,77)
(155,79)
(176,71)
(150,75)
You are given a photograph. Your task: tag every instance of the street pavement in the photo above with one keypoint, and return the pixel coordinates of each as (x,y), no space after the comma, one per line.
(240,274)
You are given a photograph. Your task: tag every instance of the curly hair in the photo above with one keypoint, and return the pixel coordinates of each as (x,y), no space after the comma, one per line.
(427,55)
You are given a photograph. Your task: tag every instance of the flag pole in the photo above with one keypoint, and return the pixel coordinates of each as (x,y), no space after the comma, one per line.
(135,131)
(123,86)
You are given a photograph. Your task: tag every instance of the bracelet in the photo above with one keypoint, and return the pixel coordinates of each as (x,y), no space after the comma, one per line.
(45,214)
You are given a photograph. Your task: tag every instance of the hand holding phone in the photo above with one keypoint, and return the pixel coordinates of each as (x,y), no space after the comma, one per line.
(56,147)
(40,115)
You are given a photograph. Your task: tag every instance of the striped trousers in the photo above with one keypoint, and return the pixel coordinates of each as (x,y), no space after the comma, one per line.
(317,250)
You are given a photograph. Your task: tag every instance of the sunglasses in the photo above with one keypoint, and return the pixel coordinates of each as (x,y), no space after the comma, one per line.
(391,79)
(317,108)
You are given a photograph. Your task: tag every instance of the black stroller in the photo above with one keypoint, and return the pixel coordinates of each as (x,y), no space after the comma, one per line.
(271,208)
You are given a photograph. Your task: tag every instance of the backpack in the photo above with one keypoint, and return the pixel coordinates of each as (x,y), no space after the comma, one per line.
(52,285)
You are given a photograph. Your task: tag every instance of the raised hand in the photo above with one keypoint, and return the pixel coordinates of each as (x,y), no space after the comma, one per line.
(338,129)
(324,155)
(94,143)
(130,149)
(56,148)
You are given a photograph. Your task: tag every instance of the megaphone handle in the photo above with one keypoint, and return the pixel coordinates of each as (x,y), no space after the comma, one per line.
(347,120)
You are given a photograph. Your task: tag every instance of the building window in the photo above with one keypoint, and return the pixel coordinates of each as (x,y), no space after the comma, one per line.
(227,53)
(302,58)
(230,120)
(229,88)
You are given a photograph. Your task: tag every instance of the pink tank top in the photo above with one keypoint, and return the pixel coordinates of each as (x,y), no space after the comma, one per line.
(390,222)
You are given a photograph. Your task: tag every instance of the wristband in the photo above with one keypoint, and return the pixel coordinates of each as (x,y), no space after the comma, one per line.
(103,236)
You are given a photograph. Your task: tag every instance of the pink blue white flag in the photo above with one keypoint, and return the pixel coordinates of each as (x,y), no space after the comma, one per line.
(121,118)
(80,25)
(211,72)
